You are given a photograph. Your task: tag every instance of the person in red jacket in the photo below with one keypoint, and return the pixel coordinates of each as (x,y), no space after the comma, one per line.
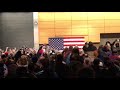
(40,51)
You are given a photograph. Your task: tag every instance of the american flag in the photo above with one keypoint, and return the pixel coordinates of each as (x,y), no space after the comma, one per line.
(61,43)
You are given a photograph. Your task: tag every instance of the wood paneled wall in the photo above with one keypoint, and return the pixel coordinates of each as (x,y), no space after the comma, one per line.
(88,24)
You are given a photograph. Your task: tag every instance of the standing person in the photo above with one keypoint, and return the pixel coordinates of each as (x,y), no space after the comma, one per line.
(40,51)
(108,45)
(65,53)
(3,70)
(46,47)
(113,45)
(60,68)
(91,47)
(101,53)
(0,52)
(85,47)
(116,45)
(12,67)
(114,55)
(17,55)
(14,50)
(92,51)
(69,54)
(23,71)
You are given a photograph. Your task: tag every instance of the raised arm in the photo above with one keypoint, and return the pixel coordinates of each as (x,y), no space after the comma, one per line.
(116,41)
(6,49)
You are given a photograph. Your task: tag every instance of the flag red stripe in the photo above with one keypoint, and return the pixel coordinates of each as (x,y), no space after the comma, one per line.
(74,44)
(74,41)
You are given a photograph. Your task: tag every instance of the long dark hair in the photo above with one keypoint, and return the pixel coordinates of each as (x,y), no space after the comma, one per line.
(18,55)
(38,54)
(75,51)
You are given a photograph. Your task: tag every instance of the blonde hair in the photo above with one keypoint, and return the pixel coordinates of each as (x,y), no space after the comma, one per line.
(23,60)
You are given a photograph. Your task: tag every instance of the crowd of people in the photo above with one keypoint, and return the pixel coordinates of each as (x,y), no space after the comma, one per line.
(72,62)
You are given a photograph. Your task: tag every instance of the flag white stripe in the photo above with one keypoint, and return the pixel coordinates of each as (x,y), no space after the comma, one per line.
(74,46)
(74,39)
(70,43)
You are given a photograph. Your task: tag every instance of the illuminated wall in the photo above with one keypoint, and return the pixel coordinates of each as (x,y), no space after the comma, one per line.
(88,24)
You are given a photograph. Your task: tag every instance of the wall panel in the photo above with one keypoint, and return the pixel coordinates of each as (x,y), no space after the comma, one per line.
(96,23)
(16,29)
(46,16)
(46,24)
(62,16)
(63,24)
(79,23)
(79,31)
(47,32)
(79,16)
(62,32)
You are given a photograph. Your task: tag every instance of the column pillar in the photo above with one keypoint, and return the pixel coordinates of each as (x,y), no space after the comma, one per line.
(36,31)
